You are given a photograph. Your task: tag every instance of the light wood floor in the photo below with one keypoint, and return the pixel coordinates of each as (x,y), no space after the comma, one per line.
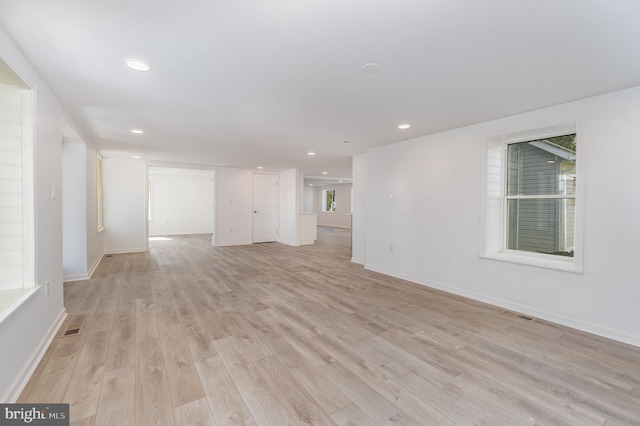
(267,334)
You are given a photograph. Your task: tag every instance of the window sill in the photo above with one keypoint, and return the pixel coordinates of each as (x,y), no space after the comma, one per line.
(558,263)
(10,300)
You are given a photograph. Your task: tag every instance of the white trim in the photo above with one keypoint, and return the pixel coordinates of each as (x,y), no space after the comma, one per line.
(536,313)
(82,277)
(23,295)
(540,197)
(540,260)
(493,198)
(75,277)
(240,243)
(289,243)
(20,382)
(123,251)
(95,265)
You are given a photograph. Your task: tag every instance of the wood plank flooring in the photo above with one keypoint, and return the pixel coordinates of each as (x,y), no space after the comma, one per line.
(267,334)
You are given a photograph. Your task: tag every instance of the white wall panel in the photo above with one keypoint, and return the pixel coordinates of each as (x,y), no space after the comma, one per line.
(233,207)
(429,231)
(181,201)
(25,334)
(125,205)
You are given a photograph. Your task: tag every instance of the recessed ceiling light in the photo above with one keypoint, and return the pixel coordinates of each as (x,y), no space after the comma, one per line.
(339,181)
(370,68)
(137,131)
(205,174)
(311,153)
(137,65)
(404,126)
(136,156)
(325,173)
(310,184)
(260,167)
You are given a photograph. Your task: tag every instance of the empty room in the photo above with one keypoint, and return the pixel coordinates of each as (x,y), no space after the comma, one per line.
(301,212)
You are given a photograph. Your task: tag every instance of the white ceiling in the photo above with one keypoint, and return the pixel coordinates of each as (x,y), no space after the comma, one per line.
(249,83)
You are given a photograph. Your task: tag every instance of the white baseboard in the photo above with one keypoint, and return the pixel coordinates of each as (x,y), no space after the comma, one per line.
(76,277)
(124,251)
(82,277)
(95,264)
(534,312)
(13,393)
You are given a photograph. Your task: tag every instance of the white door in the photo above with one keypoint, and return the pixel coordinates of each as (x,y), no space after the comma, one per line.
(265,207)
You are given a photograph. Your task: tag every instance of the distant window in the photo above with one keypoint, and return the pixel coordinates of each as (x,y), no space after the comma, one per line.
(540,196)
(328,200)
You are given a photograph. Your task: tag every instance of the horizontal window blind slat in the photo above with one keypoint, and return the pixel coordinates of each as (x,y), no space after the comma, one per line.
(10,243)
(11,229)
(10,214)
(11,172)
(11,186)
(11,157)
(10,143)
(10,258)
(11,200)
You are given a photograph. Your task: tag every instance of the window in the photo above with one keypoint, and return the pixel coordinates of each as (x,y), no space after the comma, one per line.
(531,203)
(540,195)
(17,265)
(328,200)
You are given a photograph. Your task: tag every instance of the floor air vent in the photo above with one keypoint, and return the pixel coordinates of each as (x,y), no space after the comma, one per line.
(525,317)
(73,330)
(518,315)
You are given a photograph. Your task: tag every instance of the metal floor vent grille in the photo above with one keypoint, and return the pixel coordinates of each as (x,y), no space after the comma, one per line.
(73,330)
(518,315)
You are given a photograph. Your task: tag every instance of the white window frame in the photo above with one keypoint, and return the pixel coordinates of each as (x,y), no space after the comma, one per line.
(15,291)
(493,220)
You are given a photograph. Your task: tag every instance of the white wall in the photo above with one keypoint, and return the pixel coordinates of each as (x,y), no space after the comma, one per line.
(125,205)
(341,217)
(309,202)
(359,226)
(181,201)
(82,242)
(25,335)
(434,221)
(290,186)
(94,237)
(74,217)
(233,207)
